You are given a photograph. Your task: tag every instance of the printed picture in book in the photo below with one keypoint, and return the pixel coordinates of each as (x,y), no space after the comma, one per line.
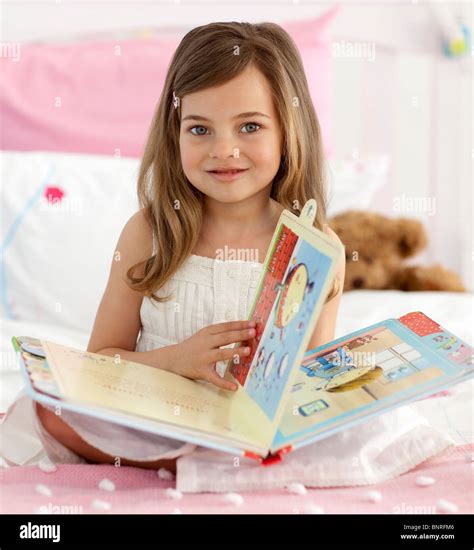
(374,365)
(282,309)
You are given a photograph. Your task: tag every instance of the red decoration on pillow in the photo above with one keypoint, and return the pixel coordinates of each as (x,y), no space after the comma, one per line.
(53,194)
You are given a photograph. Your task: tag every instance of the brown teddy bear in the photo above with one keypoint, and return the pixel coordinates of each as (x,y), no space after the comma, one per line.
(376,247)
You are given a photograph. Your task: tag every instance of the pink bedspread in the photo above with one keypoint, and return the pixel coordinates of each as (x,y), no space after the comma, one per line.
(75,489)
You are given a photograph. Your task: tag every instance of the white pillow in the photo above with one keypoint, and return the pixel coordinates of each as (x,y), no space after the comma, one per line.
(57,254)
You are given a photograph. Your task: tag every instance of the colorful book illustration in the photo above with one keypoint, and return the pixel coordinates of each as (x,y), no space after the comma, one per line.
(368,372)
(287,396)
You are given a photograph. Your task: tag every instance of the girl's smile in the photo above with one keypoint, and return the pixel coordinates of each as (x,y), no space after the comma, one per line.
(230,175)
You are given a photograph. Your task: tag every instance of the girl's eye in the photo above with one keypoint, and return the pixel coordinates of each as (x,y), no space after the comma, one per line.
(204,133)
(251,124)
(199,134)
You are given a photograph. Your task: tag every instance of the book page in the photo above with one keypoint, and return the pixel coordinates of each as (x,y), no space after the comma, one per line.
(153,393)
(291,293)
(381,365)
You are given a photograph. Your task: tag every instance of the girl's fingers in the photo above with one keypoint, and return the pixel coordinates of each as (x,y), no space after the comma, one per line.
(220,382)
(232,336)
(228,353)
(230,325)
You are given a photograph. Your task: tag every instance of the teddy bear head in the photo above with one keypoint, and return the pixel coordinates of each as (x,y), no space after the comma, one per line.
(375,246)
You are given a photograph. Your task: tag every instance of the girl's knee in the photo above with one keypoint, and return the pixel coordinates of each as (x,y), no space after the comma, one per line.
(63,433)
(54,425)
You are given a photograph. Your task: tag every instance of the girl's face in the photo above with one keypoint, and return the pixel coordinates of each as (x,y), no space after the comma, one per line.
(215,134)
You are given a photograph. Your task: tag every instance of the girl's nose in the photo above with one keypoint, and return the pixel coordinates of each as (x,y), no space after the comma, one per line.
(223,148)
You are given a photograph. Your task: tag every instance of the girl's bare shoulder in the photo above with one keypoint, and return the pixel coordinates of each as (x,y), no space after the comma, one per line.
(137,234)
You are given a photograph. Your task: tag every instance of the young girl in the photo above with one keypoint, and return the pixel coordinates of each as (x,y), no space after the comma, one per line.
(234,140)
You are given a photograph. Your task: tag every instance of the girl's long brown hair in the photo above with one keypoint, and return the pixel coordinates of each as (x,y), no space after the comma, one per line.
(208,56)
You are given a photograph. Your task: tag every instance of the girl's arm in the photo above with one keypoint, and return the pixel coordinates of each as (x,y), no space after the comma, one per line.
(118,322)
(326,325)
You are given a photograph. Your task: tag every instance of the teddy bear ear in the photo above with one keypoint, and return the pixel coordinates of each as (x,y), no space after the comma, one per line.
(344,222)
(412,237)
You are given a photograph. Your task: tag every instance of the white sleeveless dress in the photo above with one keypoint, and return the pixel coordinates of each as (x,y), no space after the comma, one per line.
(209,291)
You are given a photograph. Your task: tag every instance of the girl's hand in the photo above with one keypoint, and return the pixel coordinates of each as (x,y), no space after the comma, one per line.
(196,356)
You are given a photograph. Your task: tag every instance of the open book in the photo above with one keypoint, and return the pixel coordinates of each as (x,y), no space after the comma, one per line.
(286,397)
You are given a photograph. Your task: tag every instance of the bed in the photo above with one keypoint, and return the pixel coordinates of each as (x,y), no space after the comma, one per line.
(74,157)
(86,488)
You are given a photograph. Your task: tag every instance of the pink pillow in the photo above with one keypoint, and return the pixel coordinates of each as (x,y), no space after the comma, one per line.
(315,48)
(99,97)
